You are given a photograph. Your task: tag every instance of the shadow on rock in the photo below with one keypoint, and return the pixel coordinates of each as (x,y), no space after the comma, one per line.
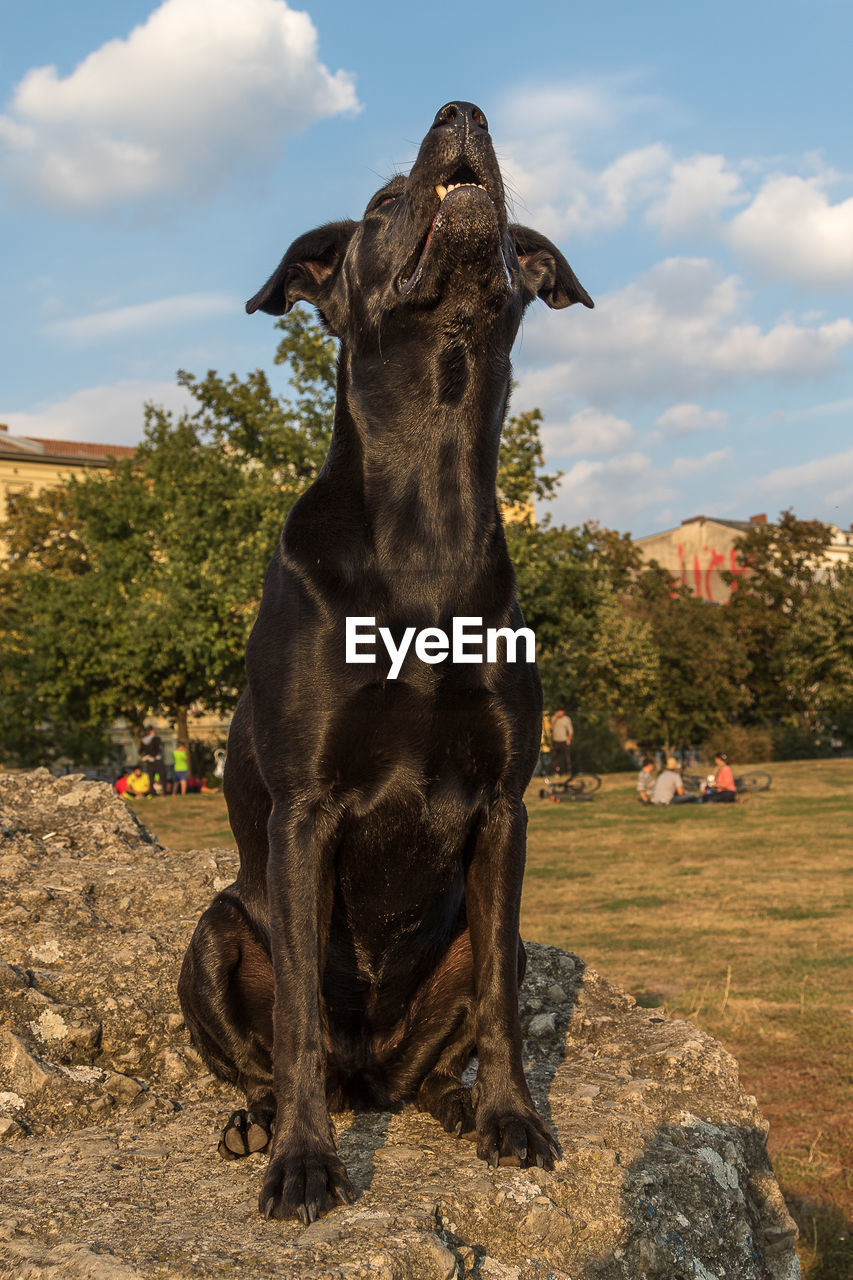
(701,1200)
(360,1135)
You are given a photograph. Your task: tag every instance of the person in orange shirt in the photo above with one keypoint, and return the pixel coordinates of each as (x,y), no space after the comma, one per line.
(722,789)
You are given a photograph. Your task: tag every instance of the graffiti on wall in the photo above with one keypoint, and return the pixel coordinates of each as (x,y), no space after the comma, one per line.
(700,576)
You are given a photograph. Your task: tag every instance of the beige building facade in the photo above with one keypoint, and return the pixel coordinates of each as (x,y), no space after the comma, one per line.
(32,464)
(702,548)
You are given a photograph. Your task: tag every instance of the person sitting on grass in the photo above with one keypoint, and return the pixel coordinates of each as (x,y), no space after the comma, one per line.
(138,784)
(722,790)
(646,781)
(669,789)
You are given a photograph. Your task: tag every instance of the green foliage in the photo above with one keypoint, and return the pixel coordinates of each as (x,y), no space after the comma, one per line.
(785,561)
(744,744)
(595,658)
(133,590)
(817,653)
(699,687)
(519,479)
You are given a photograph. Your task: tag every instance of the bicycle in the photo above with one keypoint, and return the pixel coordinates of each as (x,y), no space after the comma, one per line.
(579,786)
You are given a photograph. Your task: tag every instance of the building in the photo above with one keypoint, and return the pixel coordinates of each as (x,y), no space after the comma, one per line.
(702,548)
(30,463)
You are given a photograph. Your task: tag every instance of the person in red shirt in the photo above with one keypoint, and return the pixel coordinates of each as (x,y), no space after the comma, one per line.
(722,789)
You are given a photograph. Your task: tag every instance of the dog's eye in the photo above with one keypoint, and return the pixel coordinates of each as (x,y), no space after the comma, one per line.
(381,201)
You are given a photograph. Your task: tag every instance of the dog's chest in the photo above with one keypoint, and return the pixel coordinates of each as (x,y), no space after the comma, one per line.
(426,752)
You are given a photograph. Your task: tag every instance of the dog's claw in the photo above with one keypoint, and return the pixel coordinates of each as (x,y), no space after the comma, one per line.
(519,1139)
(304,1186)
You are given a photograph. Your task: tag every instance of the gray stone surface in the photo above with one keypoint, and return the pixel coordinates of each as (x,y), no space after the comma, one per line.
(109,1123)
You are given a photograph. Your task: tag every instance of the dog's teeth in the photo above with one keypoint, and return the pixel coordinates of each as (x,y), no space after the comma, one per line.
(443,191)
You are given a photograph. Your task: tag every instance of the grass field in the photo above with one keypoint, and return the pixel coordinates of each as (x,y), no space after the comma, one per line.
(739,917)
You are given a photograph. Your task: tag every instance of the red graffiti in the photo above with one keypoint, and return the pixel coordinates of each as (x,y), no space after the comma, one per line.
(716,559)
(704,578)
(737,569)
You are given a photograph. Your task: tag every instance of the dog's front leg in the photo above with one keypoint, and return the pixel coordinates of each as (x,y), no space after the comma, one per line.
(305,1175)
(508,1126)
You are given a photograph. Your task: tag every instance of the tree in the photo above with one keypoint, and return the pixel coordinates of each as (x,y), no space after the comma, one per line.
(520,457)
(699,682)
(595,657)
(785,562)
(133,590)
(817,654)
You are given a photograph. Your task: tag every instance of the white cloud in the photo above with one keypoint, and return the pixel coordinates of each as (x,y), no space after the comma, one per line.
(588,431)
(792,231)
(613,491)
(828,479)
(698,192)
(620,490)
(201,88)
(100,415)
(678,330)
(686,418)
(561,196)
(828,409)
(692,466)
(581,105)
(116,323)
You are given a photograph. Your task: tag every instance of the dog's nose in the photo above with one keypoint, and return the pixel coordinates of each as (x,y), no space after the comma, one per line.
(464,116)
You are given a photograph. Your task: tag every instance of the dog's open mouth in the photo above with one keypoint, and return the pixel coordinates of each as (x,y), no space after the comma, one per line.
(464,181)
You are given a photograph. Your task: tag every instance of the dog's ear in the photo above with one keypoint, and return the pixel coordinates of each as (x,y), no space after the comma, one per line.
(307,271)
(545,272)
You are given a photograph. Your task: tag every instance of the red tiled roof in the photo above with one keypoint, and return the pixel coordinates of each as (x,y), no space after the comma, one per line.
(67,449)
(79,448)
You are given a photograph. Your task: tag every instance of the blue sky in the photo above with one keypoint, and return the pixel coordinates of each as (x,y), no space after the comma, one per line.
(692,162)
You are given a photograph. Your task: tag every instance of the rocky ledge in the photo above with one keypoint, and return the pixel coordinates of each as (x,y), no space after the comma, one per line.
(109,1123)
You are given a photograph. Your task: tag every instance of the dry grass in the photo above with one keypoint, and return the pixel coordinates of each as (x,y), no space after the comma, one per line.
(739,917)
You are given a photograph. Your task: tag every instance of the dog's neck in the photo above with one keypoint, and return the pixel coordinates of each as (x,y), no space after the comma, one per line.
(420,448)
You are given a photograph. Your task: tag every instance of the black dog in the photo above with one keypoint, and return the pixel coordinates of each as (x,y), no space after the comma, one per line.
(369,946)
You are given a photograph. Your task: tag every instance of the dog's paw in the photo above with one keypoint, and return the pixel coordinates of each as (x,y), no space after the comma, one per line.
(304,1185)
(451,1104)
(515,1138)
(245,1133)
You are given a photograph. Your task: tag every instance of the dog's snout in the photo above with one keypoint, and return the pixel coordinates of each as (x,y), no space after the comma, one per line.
(464,116)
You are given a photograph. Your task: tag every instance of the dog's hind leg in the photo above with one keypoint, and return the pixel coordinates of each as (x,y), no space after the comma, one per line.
(442,1092)
(226,993)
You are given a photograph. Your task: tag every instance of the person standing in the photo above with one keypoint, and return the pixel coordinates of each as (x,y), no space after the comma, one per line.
(151,756)
(561,737)
(181,767)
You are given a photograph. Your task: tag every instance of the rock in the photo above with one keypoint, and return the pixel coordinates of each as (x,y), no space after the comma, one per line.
(11,1128)
(109,1125)
(21,1069)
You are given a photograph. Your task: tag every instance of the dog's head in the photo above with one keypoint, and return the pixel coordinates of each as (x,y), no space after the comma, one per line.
(438,241)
